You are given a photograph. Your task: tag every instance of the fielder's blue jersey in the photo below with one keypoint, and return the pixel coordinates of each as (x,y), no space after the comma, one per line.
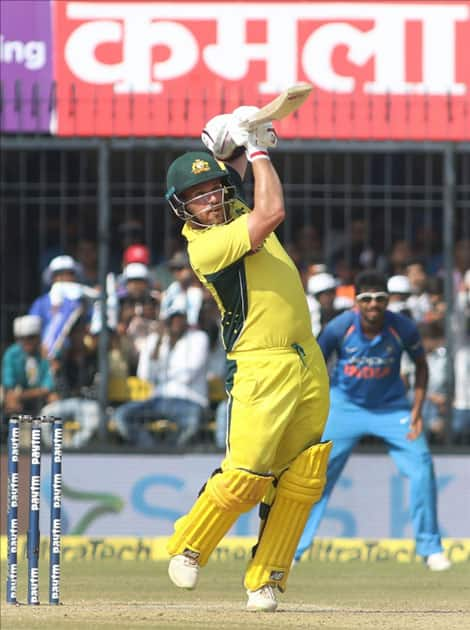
(367,371)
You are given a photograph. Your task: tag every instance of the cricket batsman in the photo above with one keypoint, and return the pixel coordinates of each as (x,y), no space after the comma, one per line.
(277,380)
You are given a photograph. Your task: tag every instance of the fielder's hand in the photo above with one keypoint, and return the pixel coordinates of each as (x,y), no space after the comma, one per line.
(256,141)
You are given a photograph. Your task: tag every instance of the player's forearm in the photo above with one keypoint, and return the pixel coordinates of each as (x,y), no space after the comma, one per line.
(419,397)
(421,384)
(268,194)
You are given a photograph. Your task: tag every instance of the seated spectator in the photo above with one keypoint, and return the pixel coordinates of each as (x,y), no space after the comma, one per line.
(174,360)
(323,302)
(27,379)
(399,290)
(75,386)
(434,407)
(185,292)
(418,303)
(62,305)
(138,310)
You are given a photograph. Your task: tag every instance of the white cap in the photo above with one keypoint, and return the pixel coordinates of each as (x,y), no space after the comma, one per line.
(136,271)
(399,284)
(60,263)
(321,282)
(27,325)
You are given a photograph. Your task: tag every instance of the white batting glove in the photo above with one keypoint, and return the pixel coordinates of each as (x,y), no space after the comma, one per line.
(216,136)
(256,141)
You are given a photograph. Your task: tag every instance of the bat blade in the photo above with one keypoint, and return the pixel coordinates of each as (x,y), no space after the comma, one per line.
(286,103)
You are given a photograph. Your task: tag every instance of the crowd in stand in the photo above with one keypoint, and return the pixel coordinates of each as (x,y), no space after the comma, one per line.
(166,360)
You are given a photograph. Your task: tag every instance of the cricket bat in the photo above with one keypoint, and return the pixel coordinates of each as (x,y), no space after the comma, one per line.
(286,103)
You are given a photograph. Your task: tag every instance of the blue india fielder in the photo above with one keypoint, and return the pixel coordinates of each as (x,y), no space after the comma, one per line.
(368,397)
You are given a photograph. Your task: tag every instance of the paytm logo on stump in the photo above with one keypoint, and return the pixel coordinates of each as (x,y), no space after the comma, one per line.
(31,54)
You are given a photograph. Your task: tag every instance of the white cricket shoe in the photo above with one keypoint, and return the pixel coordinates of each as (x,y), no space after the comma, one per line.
(262,600)
(183,571)
(438,562)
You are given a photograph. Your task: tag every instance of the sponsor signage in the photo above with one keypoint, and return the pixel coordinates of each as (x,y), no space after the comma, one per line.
(145,495)
(81,548)
(381,70)
(25,65)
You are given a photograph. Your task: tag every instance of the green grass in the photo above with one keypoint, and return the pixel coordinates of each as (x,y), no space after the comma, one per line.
(99,595)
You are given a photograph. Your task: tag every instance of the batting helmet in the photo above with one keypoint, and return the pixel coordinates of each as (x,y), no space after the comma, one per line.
(190,169)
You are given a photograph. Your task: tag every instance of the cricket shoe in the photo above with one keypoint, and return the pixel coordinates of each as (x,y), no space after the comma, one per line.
(262,600)
(438,562)
(184,571)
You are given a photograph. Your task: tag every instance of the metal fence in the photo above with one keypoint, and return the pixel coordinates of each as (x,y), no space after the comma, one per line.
(58,192)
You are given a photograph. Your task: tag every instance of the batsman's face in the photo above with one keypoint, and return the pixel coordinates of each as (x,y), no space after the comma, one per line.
(205,202)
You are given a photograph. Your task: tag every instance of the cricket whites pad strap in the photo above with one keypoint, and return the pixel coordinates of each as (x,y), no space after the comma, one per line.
(300,487)
(226,495)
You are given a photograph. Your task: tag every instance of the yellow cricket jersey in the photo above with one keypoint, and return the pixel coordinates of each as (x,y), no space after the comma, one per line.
(260,295)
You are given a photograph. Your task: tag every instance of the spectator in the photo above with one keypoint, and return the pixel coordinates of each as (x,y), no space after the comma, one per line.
(428,246)
(75,386)
(27,379)
(399,290)
(307,242)
(185,292)
(418,303)
(136,254)
(129,232)
(62,305)
(461,413)
(350,250)
(323,302)
(462,261)
(314,265)
(399,256)
(161,273)
(434,406)
(86,255)
(437,305)
(138,312)
(174,360)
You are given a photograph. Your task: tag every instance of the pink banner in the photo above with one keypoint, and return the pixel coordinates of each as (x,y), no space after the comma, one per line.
(381,70)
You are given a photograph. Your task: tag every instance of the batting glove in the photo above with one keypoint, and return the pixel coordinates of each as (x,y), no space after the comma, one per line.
(256,141)
(216,136)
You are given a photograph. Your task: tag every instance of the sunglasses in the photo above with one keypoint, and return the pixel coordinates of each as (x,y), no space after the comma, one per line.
(380,297)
